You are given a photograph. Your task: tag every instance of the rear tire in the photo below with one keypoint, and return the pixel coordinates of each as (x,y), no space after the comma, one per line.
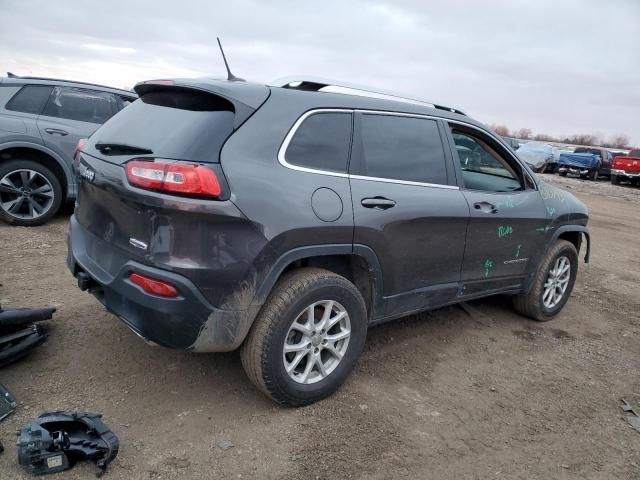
(276,354)
(537,303)
(30,194)
(563,174)
(593,175)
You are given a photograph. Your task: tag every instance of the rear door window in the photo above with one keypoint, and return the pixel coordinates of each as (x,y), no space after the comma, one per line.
(402,148)
(29,99)
(322,142)
(178,124)
(81,105)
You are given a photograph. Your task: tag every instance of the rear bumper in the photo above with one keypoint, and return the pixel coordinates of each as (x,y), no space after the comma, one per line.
(625,174)
(574,170)
(187,322)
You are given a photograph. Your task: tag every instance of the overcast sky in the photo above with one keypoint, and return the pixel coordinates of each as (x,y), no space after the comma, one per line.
(555,66)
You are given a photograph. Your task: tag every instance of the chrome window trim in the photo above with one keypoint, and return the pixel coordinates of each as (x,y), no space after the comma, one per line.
(292,132)
(404,182)
(285,144)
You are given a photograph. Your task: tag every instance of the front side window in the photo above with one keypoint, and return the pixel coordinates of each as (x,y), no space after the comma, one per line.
(402,148)
(322,142)
(30,99)
(482,166)
(81,105)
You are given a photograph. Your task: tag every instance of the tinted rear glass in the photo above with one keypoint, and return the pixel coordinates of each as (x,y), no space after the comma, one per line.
(403,148)
(30,99)
(174,124)
(322,142)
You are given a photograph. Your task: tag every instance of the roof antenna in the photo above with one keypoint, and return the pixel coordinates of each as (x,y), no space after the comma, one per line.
(230,76)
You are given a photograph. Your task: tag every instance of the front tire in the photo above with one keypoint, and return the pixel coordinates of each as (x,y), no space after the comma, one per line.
(552,285)
(593,175)
(30,194)
(615,180)
(307,338)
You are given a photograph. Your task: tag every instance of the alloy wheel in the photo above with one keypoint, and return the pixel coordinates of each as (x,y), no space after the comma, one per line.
(26,194)
(557,282)
(316,342)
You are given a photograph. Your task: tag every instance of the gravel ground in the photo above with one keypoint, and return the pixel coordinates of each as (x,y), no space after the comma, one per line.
(450,394)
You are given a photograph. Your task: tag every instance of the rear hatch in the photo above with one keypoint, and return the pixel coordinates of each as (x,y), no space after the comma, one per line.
(128,211)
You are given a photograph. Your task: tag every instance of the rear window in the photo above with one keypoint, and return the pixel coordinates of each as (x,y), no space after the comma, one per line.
(322,142)
(173,124)
(403,148)
(30,99)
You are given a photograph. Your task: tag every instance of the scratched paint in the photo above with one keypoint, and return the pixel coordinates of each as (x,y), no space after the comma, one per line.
(488,265)
(504,230)
(544,229)
(515,260)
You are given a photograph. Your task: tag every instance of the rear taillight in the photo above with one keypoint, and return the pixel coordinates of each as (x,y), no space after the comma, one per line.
(81,143)
(180,178)
(153,286)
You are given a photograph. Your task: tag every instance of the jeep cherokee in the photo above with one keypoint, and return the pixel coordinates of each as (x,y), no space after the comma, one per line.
(286,219)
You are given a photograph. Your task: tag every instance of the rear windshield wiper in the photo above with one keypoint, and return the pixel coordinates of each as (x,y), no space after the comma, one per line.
(121,149)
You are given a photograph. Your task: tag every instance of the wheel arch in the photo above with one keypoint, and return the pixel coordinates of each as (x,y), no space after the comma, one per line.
(573,234)
(44,156)
(358,263)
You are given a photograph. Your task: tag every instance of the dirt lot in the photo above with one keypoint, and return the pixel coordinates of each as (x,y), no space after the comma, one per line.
(446,395)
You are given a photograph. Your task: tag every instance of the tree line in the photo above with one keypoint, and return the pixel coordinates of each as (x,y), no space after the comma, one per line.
(615,141)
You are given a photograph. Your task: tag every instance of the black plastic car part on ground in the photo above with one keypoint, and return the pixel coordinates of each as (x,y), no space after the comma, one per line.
(55,441)
(22,330)
(215,200)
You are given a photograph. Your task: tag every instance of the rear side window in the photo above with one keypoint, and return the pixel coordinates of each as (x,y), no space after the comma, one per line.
(30,99)
(173,123)
(322,142)
(82,105)
(403,148)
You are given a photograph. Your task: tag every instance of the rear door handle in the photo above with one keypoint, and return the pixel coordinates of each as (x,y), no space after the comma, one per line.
(56,131)
(485,207)
(380,203)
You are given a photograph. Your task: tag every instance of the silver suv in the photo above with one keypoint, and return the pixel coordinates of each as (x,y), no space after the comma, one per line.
(41,122)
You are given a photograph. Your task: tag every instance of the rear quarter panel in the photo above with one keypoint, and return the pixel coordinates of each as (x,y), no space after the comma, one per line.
(275,198)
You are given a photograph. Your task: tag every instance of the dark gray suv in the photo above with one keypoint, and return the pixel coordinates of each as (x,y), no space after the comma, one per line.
(287,219)
(41,122)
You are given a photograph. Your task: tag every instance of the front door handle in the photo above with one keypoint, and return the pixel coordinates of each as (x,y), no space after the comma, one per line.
(56,131)
(485,207)
(380,203)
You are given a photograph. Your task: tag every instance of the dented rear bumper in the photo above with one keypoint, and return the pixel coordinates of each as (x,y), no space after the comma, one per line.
(186,322)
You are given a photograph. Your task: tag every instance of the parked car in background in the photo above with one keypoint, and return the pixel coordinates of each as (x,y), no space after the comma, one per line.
(204,252)
(605,157)
(41,121)
(539,156)
(512,142)
(584,164)
(626,167)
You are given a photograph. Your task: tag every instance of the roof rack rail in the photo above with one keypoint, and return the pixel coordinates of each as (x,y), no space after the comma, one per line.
(13,75)
(316,84)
